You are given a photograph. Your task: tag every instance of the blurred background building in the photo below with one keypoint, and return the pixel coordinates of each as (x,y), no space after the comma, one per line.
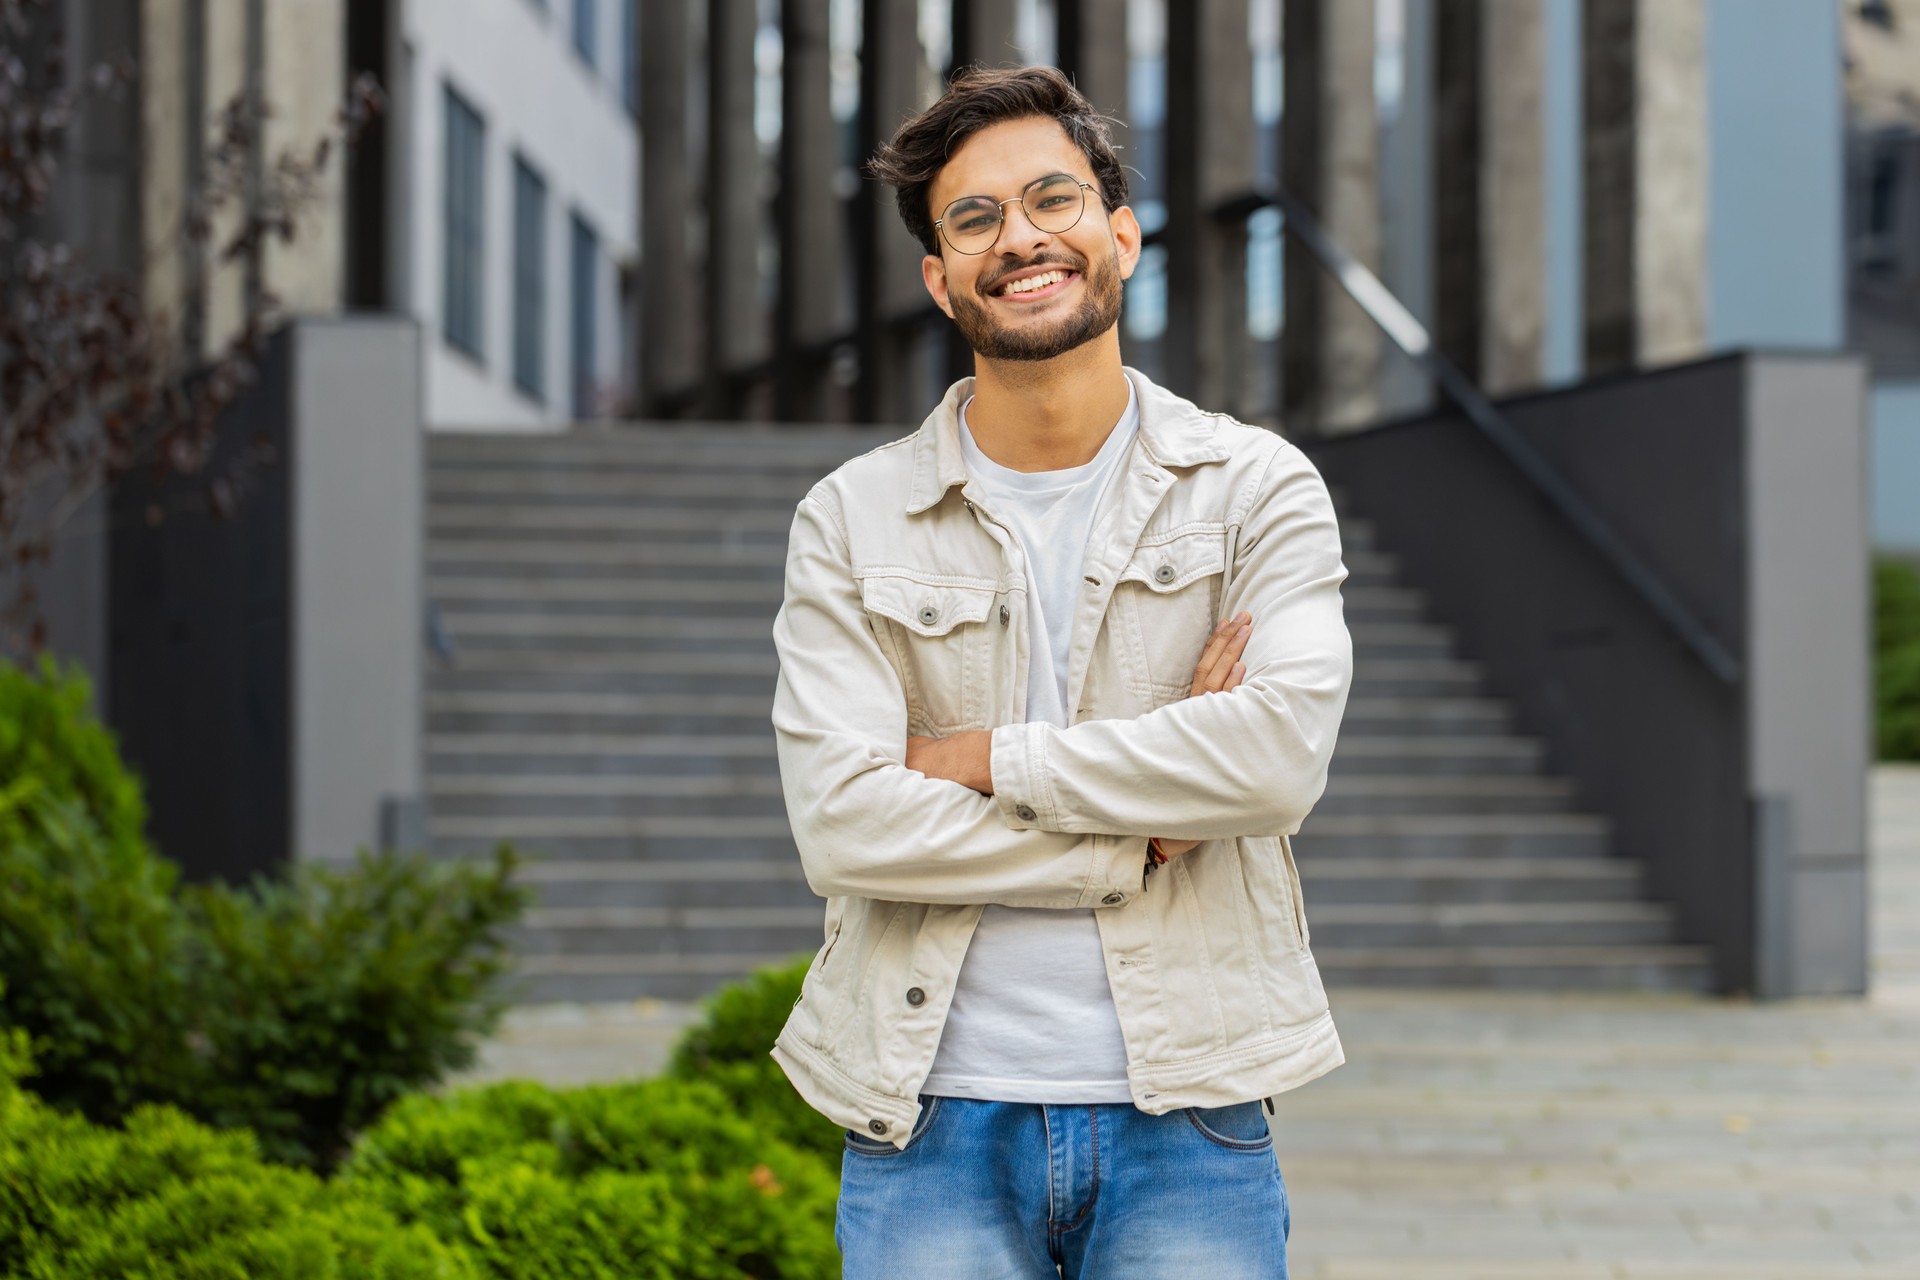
(1585,307)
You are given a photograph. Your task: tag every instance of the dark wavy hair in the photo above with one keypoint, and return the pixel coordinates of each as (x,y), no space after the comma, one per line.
(977,97)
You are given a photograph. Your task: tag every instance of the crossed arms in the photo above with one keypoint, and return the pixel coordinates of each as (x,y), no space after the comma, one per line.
(1251,760)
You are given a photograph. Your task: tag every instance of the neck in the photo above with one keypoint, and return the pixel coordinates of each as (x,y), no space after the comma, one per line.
(1048,415)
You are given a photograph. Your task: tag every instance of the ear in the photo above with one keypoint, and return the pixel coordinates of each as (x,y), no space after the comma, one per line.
(934,272)
(1126,239)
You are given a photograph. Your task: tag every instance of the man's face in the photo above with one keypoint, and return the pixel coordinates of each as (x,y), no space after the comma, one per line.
(1096,253)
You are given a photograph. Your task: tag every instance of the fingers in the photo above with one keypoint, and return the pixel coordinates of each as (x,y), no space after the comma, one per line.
(1220,668)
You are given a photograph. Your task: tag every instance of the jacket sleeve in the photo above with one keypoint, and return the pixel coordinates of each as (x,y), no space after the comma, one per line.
(1252,761)
(868,826)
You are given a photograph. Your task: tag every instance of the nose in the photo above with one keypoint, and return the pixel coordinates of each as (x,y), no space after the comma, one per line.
(1026,232)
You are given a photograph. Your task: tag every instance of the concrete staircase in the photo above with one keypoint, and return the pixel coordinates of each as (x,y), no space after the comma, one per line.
(608,595)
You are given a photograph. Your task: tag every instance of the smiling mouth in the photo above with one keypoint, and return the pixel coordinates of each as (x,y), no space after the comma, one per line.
(1034,287)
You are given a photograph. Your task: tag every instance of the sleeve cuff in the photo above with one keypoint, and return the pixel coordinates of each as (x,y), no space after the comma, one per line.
(1017,762)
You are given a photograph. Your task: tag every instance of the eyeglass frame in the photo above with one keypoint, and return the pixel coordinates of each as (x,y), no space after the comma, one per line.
(1000,206)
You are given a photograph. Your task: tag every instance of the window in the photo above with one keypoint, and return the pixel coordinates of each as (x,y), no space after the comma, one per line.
(461,313)
(586,266)
(529,279)
(586,33)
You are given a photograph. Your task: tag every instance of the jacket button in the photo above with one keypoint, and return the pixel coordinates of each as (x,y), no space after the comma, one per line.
(929,614)
(916,997)
(1113,898)
(1024,812)
(1163,574)
(878,1126)
(1004,615)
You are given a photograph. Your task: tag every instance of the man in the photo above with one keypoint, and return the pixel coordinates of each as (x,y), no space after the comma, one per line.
(1059,674)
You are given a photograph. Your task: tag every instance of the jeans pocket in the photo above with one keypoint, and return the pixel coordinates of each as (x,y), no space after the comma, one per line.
(1240,1127)
(865,1145)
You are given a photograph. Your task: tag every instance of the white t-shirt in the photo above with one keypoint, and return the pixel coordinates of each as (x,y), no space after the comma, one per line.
(1032,1018)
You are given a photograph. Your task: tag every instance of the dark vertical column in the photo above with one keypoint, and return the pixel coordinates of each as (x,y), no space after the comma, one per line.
(1092,43)
(1209,161)
(1457,120)
(1608,192)
(736,329)
(888,273)
(1330,147)
(807,213)
(983,33)
(666,355)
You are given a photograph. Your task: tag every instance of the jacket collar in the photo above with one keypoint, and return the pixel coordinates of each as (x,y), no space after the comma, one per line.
(1174,431)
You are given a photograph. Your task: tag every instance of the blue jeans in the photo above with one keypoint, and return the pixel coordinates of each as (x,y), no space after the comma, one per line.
(993,1190)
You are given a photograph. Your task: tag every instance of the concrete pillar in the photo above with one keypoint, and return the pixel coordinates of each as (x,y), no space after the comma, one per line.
(164,146)
(303,51)
(983,33)
(666,355)
(889,285)
(1093,52)
(1209,160)
(1330,161)
(1489,195)
(1645,276)
(225,74)
(736,329)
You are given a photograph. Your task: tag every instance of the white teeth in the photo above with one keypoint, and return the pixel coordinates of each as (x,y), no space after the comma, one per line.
(1030,283)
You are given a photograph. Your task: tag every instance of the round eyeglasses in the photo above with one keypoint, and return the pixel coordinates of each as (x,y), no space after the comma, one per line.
(1054,203)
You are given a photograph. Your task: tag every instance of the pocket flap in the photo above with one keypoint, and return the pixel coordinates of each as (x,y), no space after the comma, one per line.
(926,609)
(1171,565)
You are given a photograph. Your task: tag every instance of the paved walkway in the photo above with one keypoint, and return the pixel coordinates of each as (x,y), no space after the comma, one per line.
(1524,1137)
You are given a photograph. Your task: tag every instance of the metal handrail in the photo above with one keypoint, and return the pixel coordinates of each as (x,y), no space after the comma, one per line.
(1407,333)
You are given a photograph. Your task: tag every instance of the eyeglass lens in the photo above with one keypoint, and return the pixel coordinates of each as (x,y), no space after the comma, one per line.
(1053,204)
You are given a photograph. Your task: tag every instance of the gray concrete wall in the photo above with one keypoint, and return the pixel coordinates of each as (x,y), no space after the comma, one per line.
(1740,481)
(358,561)
(1809,708)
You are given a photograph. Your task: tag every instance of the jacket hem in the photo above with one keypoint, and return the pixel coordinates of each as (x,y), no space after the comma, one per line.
(826,1088)
(1262,1069)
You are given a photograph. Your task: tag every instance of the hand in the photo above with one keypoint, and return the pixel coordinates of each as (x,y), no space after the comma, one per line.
(1218,671)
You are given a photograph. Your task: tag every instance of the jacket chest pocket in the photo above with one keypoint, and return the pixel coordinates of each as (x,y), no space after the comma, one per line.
(1169,596)
(939,637)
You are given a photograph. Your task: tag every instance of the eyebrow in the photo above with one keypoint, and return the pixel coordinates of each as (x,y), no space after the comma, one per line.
(1057,173)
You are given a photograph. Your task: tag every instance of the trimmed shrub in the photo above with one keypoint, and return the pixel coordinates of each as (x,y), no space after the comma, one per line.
(1896,645)
(728,1050)
(300,1006)
(653,1179)
(168,1197)
(52,746)
(324,997)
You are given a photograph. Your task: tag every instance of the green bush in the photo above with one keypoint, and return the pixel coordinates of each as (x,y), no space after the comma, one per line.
(324,997)
(728,1050)
(53,748)
(1896,646)
(168,1197)
(299,1007)
(660,1178)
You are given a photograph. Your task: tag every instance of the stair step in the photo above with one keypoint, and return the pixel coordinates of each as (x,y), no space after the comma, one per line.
(1349,925)
(1472,879)
(1373,715)
(1430,794)
(582,557)
(1445,836)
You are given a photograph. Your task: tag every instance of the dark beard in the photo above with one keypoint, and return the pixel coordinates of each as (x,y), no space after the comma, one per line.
(1098,312)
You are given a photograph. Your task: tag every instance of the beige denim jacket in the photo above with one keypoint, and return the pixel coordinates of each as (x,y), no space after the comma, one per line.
(905,613)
